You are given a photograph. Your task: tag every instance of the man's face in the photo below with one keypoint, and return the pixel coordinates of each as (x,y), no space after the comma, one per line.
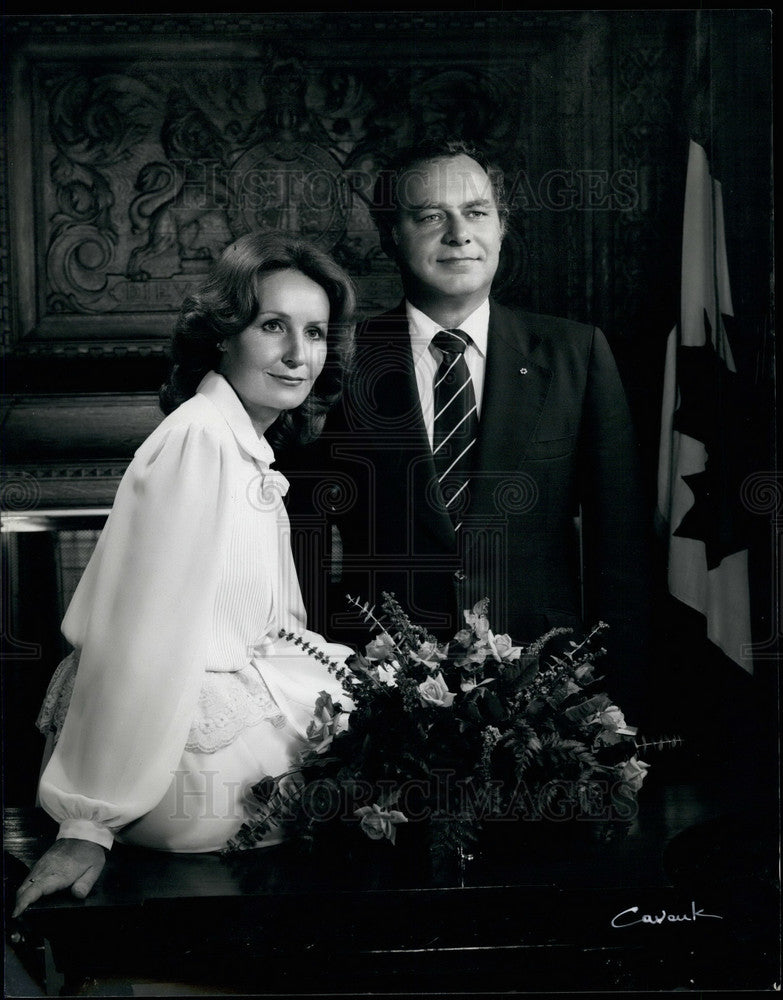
(448,233)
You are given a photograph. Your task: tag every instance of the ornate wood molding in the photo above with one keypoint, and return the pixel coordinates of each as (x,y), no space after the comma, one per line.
(144,144)
(126,28)
(30,490)
(70,450)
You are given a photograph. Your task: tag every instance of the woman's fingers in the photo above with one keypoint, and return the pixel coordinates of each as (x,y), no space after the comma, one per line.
(68,862)
(27,893)
(40,883)
(83,885)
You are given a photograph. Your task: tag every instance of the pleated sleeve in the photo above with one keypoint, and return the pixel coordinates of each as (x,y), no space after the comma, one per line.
(141,617)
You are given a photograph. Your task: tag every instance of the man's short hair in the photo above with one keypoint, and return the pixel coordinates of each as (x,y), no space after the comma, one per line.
(385,206)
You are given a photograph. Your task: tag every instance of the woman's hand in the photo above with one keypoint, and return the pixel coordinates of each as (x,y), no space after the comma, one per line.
(68,862)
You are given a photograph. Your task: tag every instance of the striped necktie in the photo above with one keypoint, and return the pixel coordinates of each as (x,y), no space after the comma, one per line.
(456,421)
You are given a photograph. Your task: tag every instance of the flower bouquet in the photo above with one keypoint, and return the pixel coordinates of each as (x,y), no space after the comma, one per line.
(456,736)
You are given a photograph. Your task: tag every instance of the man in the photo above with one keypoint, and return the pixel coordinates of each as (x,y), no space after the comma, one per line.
(472,436)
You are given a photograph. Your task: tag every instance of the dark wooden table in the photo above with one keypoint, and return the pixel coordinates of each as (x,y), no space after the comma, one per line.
(540,919)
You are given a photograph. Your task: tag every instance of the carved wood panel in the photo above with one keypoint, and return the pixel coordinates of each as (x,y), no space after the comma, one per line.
(140,145)
(136,162)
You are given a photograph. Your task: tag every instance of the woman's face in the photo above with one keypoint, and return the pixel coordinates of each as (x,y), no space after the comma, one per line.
(273,363)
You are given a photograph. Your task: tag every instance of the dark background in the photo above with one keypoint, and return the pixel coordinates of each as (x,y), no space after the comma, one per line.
(138,145)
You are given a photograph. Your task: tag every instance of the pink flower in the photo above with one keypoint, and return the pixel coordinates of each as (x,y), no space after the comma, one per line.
(633,773)
(433,691)
(381,647)
(378,823)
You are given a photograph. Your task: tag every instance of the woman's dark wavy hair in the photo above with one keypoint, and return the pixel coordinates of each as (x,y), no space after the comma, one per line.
(227,303)
(385,207)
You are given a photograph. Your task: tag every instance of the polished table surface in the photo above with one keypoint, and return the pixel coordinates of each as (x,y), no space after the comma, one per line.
(699,864)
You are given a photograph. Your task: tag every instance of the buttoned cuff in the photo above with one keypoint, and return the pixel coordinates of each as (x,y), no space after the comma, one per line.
(85,829)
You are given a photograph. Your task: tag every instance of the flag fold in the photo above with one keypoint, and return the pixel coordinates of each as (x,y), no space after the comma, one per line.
(701,453)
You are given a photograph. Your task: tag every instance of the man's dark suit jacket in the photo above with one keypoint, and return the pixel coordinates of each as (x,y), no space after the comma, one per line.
(555,436)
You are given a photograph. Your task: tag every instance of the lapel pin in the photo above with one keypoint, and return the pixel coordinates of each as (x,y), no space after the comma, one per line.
(523,371)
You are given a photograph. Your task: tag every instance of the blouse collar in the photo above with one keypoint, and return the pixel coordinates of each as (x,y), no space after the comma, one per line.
(219,392)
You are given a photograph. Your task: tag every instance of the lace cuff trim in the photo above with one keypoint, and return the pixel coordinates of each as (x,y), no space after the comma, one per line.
(58,696)
(228,704)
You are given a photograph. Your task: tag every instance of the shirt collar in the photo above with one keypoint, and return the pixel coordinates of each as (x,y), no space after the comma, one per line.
(422,329)
(220,393)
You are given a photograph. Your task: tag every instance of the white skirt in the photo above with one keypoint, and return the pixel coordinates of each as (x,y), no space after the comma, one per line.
(207,800)
(249,724)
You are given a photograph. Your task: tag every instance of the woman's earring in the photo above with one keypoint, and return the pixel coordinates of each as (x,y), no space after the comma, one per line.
(221,347)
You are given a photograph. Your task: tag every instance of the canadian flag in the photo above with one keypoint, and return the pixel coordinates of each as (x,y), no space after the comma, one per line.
(701,456)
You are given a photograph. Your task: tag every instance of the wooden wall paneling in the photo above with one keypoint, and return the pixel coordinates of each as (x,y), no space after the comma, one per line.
(650,145)
(70,451)
(146,156)
(140,145)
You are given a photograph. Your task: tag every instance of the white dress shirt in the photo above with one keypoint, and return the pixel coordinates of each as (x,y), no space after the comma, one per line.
(175,621)
(427,357)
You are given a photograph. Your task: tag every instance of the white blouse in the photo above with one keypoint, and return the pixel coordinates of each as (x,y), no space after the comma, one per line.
(190,581)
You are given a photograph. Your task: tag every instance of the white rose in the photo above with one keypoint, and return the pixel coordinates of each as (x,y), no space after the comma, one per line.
(428,653)
(380,647)
(378,823)
(502,647)
(387,675)
(434,691)
(611,718)
(633,773)
(477,619)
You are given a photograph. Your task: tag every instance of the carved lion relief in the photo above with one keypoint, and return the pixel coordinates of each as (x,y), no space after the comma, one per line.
(148,171)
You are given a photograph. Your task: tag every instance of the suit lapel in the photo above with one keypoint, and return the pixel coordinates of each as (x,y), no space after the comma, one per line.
(387,389)
(385,394)
(515,388)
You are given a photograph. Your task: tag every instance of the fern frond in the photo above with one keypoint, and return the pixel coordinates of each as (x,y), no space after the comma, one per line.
(450,835)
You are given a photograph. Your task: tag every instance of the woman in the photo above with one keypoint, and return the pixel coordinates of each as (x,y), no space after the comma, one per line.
(184,694)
